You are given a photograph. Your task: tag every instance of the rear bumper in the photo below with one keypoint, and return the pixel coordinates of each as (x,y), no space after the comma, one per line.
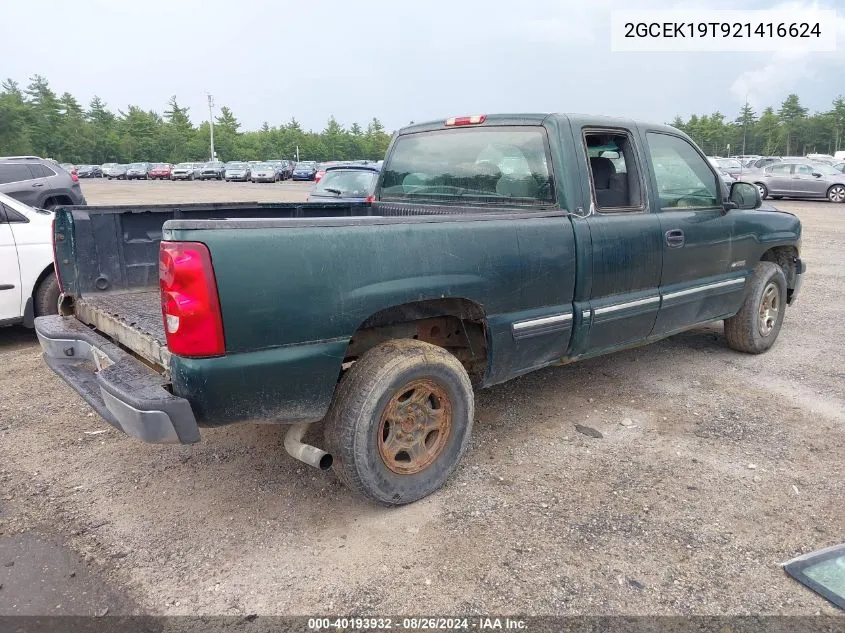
(126,393)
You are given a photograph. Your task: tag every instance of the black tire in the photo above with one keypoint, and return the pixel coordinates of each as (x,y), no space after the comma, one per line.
(777,197)
(47,296)
(357,430)
(752,330)
(763,189)
(836,193)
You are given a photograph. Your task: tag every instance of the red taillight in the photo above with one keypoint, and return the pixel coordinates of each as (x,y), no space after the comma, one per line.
(190,306)
(370,199)
(73,176)
(55,257)
(466,120)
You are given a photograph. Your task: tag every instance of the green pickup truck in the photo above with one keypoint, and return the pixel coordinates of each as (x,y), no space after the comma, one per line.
(496,245)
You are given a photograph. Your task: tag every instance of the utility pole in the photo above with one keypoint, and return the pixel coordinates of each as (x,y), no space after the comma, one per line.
(211,123)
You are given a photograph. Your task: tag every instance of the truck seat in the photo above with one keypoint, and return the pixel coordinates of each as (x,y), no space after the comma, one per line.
(611,188)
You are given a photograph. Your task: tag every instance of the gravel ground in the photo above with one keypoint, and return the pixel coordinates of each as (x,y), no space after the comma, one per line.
(729,465)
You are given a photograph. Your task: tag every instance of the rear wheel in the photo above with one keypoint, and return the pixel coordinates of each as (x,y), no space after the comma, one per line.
(836,193)
(400,421)
(47,296)
(764,191)
(755,327)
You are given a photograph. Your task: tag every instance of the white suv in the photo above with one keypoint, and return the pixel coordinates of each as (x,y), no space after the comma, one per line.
(28,285)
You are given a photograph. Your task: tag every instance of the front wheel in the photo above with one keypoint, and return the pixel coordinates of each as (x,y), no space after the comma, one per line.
(836,193)
(400,421)
(755,327)
(764,191)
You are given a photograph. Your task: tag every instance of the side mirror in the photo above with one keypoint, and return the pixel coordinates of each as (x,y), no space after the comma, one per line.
(744,195)
(817,174)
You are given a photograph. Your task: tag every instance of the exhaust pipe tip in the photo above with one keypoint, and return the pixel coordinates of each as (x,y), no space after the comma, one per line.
(306,453)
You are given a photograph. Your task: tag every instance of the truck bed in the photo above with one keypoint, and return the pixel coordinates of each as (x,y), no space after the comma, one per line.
(132,318)
(108,260)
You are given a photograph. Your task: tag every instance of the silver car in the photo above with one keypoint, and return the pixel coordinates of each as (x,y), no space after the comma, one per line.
(799,180)
(182,171)
(264,172)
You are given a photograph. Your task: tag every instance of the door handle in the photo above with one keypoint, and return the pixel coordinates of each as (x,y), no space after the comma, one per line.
(38,184)
(674,238)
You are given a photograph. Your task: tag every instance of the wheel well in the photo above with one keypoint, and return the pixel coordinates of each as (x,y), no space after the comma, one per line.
(57,200)
(457,325)
(784,256)
(44,274)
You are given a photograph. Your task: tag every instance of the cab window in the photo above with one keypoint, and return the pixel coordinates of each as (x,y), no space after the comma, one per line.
(481,165)
(614,178)
(684,179)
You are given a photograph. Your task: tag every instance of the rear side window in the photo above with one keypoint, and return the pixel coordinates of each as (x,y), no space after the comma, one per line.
(488,165)
(684,178)
(40,171)
(780,169)
(14,172)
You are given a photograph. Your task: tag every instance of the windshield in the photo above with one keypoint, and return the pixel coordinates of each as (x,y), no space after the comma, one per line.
(109,165)
(264,167)
(137,166)
(161,166)
(485,164)
(347,183)
(826,170)
(729,163)
(237,166)
(304,166)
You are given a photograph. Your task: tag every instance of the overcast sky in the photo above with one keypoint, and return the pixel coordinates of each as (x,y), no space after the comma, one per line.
(395,60)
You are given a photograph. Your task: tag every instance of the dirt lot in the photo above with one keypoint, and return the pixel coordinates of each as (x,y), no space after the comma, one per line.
(734,464)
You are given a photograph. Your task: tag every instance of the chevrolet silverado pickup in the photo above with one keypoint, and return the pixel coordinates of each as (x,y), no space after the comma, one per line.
(495,246)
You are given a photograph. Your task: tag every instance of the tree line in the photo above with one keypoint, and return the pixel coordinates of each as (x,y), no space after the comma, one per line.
(786,131)
(36,121)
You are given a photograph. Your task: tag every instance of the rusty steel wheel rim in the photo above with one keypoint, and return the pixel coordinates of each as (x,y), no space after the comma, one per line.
(769,309)
(414,427)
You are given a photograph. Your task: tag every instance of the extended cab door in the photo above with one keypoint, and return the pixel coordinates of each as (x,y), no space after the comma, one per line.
(624,255)
(10,278)
(700,280)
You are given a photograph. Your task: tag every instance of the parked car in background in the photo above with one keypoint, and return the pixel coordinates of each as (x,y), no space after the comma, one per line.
(287,169)
(39,183)
(182,171)
(89,171)
(237,171)
(304,171)
(138,171)
(839,166)
(160,171)
(118,172)
(264,172)
(212,171)
(800,180)
(107,169)
(760,163)
(280,167)
(730,166)
(347,183)
(68,167)
(28,284)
